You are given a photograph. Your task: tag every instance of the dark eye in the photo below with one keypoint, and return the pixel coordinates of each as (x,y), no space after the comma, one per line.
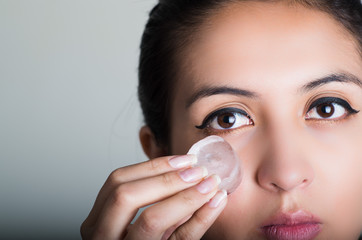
(329,108)
(227,118)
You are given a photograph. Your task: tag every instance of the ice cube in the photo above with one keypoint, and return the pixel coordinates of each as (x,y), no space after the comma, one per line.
(214,153)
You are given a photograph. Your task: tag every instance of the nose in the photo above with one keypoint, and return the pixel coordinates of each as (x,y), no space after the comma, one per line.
(285,165)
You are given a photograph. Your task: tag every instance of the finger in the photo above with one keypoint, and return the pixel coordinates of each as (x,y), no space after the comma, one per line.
(202,220)
(149,168)
(155,220)
(153,167)
(169,231)
(122,204)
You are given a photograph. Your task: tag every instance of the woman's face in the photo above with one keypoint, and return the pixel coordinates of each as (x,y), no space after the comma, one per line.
(295,72)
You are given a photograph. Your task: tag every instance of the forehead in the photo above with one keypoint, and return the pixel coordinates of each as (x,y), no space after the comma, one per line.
(257,43)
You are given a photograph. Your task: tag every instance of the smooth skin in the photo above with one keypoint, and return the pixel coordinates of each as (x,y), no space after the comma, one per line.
(293,159)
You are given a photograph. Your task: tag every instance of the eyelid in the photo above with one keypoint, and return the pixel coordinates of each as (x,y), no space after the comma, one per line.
(337,100)
(211,116)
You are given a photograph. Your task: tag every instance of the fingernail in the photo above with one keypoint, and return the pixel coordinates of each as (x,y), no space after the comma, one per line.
(193,174)
(208,184)
(217,199)
(183,161)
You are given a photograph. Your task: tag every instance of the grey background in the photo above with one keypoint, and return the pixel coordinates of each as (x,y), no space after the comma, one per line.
(69,109)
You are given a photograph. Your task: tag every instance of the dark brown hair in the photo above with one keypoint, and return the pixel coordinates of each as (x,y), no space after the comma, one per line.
(171,27)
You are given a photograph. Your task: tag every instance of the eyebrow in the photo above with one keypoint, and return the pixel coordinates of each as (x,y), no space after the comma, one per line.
(335,77)
(210,91)
(214,90)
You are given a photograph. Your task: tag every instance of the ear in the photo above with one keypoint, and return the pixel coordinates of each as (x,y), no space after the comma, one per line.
(149,144)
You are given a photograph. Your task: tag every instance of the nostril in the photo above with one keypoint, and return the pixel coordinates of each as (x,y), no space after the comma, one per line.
(274,186)
(304,183)
(277,176)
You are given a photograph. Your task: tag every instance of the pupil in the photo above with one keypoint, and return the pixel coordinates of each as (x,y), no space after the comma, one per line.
(326,110)
(226,120)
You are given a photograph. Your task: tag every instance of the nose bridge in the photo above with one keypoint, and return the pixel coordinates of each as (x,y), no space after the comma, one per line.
(283,140)
(285,164)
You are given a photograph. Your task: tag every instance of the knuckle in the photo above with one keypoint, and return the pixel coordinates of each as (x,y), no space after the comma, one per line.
(202,221)
(167,179)
(115,176)
(150,223)
(182,235)
(153,165)
(187,199)
(122,196)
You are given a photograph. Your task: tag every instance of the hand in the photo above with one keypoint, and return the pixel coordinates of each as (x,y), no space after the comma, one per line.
(185,204)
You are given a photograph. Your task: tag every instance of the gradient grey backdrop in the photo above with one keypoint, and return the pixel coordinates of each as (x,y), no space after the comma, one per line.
(69,110)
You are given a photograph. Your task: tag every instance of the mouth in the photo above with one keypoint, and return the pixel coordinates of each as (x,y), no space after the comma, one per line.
(298,225)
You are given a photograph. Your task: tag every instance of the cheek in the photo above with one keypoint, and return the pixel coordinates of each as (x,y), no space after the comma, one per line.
(242,216)
(337,153)
(338,166)
(182,135)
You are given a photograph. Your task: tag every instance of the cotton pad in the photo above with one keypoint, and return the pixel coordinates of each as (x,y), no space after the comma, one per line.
(214,153)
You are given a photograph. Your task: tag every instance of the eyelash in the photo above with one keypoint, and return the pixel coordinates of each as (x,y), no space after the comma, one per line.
(331,100)
(325,100)
(207,121)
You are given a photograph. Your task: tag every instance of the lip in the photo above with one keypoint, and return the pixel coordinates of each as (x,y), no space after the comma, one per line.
(298,225)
